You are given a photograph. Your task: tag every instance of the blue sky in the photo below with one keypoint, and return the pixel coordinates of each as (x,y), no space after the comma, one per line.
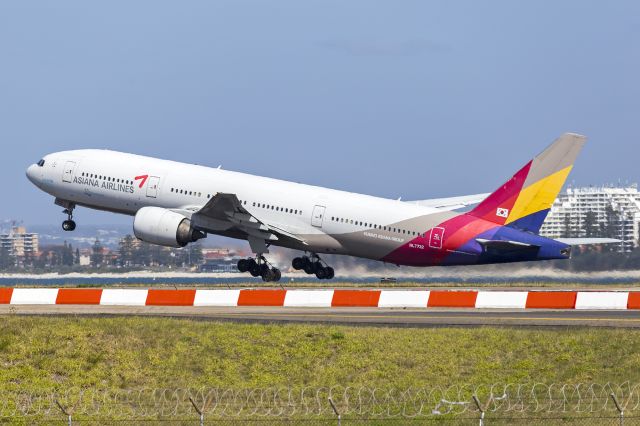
(417,99)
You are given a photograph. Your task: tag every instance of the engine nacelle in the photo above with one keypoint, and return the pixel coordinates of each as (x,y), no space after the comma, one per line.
(163,227)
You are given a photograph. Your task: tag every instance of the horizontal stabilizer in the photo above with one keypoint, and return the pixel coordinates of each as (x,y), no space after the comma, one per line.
(452,203)
(506,246)
(587,241)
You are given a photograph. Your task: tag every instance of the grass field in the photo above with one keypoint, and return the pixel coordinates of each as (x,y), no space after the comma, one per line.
(51,353)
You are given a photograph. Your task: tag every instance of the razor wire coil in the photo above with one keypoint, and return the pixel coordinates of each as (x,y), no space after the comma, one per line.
(310,402)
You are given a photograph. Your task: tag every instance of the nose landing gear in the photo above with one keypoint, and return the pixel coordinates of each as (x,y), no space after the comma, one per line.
(69,224)
(260,267)
(313,265)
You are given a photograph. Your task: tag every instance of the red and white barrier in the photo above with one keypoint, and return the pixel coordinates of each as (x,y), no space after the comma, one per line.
(326,298)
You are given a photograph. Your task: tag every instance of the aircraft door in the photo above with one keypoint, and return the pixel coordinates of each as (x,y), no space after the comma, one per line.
(67,173)
(152,186)
(317,216)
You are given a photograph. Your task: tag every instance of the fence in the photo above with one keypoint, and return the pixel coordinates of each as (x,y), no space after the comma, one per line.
(533,403)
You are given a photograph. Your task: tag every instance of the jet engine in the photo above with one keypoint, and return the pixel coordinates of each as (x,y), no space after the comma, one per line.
(163,227)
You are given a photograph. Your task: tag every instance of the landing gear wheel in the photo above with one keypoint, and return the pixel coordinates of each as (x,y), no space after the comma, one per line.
(243,265)
(276,274)
(314,265)
(264,269)
(259,267)
(298,263)
(321,273)
(311,267)
(268,275)
(256,270)
(330,273)
(68,225)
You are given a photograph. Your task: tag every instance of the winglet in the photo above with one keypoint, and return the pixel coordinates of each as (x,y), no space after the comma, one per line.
(524,201)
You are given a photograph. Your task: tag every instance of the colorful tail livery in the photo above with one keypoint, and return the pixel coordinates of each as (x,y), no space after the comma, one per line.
(523,202)
(504,227)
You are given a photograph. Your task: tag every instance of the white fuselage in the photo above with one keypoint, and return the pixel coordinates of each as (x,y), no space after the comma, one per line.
(330,221)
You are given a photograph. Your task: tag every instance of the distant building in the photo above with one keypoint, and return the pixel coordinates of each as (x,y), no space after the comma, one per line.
(85,257)
(20,243)
(615,213)
(219,260)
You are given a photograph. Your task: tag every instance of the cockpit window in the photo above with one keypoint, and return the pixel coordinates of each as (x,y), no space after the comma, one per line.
(40,163)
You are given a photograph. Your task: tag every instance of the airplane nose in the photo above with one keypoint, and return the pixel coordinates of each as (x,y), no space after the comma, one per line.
(32,174)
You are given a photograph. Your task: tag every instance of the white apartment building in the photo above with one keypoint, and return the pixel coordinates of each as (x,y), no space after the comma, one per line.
(568,213)
(20,243)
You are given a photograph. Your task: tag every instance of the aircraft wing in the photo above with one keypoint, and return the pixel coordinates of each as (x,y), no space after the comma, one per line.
(224,212)
(452,203)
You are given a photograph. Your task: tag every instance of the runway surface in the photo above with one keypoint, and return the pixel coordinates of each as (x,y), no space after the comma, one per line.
(357,316)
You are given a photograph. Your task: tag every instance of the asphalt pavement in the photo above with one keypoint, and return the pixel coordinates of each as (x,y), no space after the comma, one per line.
(430,317)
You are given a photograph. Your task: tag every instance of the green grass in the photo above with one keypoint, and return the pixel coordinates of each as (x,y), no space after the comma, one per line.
(41,354)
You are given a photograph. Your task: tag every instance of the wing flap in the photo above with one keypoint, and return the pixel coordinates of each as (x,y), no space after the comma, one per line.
(224,212)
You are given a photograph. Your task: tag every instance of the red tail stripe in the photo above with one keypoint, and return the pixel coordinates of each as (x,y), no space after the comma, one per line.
(504,197)
(363,298)
(171,297)
(79,296)
(261,297)
(5,295)
(551,299)
(452,299)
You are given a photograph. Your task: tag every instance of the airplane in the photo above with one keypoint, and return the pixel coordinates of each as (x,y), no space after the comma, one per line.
(174,204)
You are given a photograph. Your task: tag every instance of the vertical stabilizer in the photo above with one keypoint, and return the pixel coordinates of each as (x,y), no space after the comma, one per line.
(524,201)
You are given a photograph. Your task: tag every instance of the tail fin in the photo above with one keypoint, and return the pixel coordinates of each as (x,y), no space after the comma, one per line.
(524,200)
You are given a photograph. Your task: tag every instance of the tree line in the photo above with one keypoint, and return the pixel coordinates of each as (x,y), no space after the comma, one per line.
(131,254)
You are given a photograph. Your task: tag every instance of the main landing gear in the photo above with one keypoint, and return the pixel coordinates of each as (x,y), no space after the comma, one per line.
(313,265)
(69,224)
(259,267)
